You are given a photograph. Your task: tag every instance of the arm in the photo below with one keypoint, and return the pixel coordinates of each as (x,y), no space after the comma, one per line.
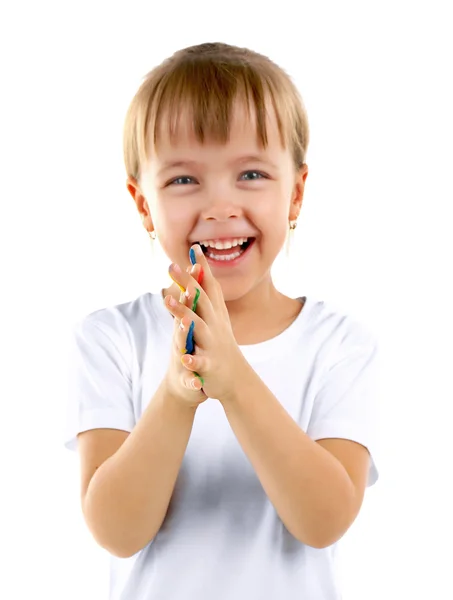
(316,495)
(128,496)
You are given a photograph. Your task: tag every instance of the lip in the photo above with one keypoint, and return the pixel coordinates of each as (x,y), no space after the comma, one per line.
(225,264)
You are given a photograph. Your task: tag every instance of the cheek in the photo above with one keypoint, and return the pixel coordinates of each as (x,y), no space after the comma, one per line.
(174,216)
(272,217)
(176,223)
(273,232)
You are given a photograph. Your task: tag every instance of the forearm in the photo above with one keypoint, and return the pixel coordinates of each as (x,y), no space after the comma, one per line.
(309,488)
(128,496)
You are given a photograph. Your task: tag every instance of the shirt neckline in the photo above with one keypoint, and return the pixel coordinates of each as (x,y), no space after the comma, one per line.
(252,352)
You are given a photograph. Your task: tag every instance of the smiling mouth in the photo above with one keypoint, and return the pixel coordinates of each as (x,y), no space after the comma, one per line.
(241,247)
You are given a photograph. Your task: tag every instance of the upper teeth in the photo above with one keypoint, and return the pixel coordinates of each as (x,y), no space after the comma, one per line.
(223,245)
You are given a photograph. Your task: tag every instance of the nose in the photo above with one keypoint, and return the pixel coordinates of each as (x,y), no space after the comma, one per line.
(220,207)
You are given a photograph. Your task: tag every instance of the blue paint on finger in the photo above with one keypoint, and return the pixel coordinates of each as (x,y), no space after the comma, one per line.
(193,260)
(189,342)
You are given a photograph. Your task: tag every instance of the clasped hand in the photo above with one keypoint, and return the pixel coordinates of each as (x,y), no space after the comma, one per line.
(217,356)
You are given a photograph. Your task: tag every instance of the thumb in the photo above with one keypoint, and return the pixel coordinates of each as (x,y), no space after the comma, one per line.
(193,383)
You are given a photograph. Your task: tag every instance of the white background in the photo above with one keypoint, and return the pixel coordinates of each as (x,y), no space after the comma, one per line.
(374,239)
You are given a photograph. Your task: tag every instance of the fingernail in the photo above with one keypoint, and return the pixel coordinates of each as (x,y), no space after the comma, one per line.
(172,301)
(176,268)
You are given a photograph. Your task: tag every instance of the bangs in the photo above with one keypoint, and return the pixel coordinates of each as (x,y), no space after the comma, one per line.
(204,97)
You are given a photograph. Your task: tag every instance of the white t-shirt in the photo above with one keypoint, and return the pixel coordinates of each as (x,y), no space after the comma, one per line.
(222,538)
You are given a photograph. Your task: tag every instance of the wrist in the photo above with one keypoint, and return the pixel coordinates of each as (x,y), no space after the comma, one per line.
(177,402)
(240,376)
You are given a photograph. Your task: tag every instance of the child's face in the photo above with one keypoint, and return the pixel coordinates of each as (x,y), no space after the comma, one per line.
(218,197)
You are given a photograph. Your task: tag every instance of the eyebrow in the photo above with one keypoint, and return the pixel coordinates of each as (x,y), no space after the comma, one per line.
(193,163)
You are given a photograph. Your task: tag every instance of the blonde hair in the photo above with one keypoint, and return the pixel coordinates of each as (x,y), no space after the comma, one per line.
(207,79)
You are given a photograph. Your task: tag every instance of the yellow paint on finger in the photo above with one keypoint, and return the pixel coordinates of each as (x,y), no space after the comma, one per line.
(180,286)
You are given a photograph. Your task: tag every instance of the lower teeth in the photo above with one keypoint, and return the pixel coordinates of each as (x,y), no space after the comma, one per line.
(225,256)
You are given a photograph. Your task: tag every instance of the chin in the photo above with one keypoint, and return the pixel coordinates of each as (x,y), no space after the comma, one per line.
(234,290)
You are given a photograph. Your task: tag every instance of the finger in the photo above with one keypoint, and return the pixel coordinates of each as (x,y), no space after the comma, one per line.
(194,383)
(193,270)
(196,298)
(189,347)
(181,342)
(194,364)
(193,260)
(181,279)
(175,276)
(196,271)
(191,363)
(191,328)
(188,338)
(199,303)
(186,281)
(210,284)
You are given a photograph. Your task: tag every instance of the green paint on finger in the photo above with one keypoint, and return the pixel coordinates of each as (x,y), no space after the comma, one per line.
(197,295)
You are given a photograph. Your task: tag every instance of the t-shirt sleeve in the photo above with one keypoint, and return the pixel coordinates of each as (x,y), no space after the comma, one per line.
(99,381)
(347,403)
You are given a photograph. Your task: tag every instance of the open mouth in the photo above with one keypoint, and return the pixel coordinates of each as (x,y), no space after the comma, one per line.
(240,248)
(229,257)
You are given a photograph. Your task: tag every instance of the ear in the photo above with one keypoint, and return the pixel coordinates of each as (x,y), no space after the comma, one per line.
(133,187)
(298,191)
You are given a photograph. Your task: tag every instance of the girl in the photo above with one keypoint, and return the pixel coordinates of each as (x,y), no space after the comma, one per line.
(230,469)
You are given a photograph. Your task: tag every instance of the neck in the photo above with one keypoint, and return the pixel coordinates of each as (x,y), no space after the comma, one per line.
(256,306)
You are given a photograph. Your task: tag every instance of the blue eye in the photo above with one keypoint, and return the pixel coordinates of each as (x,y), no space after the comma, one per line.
(179,179)
(261,176)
